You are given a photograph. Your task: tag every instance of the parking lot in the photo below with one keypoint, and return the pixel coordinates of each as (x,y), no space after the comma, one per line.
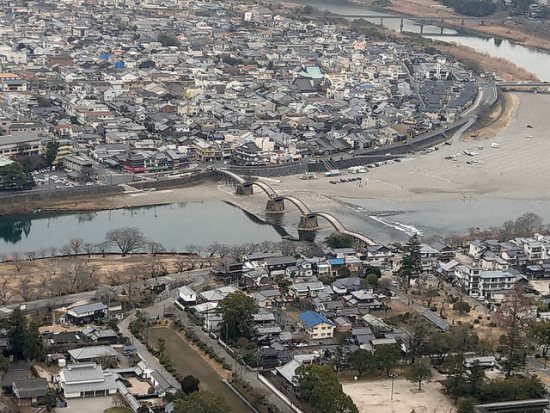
(96,405)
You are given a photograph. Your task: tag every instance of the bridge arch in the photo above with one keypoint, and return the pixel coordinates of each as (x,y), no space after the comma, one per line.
(338,226)
(302,207)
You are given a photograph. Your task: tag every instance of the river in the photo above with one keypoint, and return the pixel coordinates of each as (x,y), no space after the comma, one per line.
(535,61)
(175,226)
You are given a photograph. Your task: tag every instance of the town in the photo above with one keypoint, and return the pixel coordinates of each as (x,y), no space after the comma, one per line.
(430,316)
(140,101)
(113,92)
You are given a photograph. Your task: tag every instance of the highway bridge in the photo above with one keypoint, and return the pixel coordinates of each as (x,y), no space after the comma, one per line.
(276,204)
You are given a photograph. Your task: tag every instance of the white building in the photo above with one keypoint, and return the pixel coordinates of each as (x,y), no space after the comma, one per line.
(86,380)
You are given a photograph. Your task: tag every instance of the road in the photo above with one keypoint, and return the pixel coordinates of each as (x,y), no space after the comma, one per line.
(246,375)
(197,277)
(486,97)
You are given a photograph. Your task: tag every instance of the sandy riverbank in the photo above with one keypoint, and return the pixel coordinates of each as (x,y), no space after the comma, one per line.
(515,171)
(508,30)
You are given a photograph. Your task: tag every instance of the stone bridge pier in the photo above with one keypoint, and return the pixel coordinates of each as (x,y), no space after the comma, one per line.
(275,205)
(245,189)
(308,223)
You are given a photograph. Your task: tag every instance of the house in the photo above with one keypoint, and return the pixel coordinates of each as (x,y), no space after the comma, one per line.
(86,314)
(288,372)
(217,294)
(316,325)
(86,380)
(346,285)
(97,354)
(306,288)
(248,154)
(278,265)
(186,297)
(100,335)
(446,253)
(30,392)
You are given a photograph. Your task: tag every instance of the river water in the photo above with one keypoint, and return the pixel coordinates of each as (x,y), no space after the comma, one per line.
(175,226)
(537,62)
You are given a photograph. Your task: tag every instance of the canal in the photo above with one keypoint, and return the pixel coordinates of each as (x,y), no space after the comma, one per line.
(535,61)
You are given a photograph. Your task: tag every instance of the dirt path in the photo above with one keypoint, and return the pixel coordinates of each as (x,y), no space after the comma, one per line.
(187,360)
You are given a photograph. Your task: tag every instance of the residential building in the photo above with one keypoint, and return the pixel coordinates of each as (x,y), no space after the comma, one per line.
(316,326)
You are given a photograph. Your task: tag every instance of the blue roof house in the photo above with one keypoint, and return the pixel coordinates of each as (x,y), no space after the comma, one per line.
(317,326)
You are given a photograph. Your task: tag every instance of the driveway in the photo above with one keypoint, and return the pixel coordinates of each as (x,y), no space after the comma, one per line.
(96,405)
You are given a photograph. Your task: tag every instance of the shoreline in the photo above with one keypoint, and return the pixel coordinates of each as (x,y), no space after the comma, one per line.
(416,8)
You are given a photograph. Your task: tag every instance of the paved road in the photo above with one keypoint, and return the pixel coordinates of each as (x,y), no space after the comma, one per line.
(151,360)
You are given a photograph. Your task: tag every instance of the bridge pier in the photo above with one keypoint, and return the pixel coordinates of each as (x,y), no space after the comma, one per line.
(462,23)
(381,21)
(442,28)
(244,189)
(306,235)
(308,223)
(275,205)
(401,24)
(421,28)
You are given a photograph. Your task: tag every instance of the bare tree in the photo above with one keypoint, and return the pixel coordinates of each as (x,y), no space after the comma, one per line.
(155,248)
(127,239)
(24,288)
(515,315)
(103,247)
(6,293)
(89,249)
(43,252)
(78,276)
(16,261)
(66,250)
(76,246)
(180,264)
(53,252)
(31,255)
(157,269)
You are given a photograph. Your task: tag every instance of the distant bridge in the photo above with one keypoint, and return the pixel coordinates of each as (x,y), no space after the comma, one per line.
(276,204)
(421,20)
(523,84)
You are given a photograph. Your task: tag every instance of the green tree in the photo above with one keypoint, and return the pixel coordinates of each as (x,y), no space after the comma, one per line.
(168,40)
(50,153)
(466,406)
(17,333)
(462,307)
(14,178)
(190,384)
(411,264)
(4,363)
(51,400)
(419,371)
(361,360)
(372,279)
(236,309)
(337,240)
(33,349)
(319,386)
(540,333)
(200,402)
(387,356)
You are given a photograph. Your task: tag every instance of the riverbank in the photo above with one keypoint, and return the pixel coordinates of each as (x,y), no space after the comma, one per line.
(504,29)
